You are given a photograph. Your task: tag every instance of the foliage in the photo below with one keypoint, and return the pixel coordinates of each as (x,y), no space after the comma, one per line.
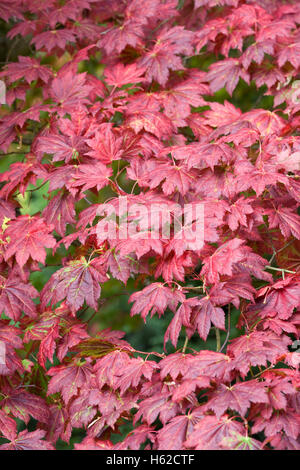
(139,99)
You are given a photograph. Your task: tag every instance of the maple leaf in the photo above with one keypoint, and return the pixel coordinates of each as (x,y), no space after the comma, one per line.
(154,122)
(53,38)
(61,146)
(282,297)
(73,333)
(177,101)
(8,11)
(16,297)
(116,39)
(22,405)
(106,145)
(222,114)
(238,213)
(238,441)
(27,68)
(48,332)
(267,122)
(89,176)
(175,364)
(210,363)
(136,438)
(255,349)
(271,29)
(60,211)
(279,326)
(77,282)
(108,367)
(286,420)
(239,285)
(205,313)
(181,318)
(69,89)
(59,177)
(58,425)
(202,155)
(289,53)
(60,15)
(210,431)
(157,405)
(8,426)
(256,52)
(281,441)
(279,389)
(173,434)
(226,73)
(120,74)
(7,210)
(90,443)
(163,56)
(133,371)
(253,264)
(33,238)
(154,298)
(9,340)
(68,379)
(286,219)
(175,177)
(222,260)
(188,386)
(26,440)
(237,397)
(19,176)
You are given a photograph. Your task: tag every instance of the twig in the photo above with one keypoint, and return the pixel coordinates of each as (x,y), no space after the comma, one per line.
(281,269)
(228,331)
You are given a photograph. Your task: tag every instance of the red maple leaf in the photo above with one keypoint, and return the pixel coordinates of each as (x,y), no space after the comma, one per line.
(210,431)
(60,211)
(22,405)
(28,68)
(53,38)
(155,298)
(16,297)
(74,283)
(123,74)
(222,260)
(26,440)
(33,238)
(174,434)
(69,89)
(237,397)
(226,73)
(68,379)
(133,372)
(204,314)
(89,176)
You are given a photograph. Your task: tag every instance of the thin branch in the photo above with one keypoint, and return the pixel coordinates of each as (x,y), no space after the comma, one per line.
(280,269)
(228,331)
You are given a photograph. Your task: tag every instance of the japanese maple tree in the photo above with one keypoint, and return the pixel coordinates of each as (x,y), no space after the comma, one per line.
(136,100)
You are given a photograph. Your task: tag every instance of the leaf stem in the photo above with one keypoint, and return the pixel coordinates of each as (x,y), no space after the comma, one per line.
(228,331)
(281,269)
(218,339)
(185,344)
